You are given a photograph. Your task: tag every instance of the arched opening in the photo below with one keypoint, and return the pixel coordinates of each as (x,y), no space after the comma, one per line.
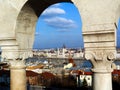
(57,28)
(57,25)
(26,21)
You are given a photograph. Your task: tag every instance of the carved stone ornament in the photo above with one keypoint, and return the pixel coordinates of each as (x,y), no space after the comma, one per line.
(17,63)
(101,60)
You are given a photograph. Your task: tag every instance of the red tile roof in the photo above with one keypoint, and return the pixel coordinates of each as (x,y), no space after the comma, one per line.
(47,75)
(81,72)
(31,73)
(116,72)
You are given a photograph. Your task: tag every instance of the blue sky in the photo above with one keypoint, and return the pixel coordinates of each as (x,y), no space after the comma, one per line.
(60,24)
(118,34)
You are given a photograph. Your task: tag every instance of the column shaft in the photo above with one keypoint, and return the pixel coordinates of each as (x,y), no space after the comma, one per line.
(18,78)
(102,81)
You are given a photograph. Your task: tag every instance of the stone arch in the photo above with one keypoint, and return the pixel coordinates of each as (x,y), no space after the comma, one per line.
(40,6)
(25,26)
(14,25)
(26,21)
(118,14)
(117,23)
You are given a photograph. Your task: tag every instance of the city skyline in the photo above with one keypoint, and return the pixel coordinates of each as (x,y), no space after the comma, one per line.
(61,24)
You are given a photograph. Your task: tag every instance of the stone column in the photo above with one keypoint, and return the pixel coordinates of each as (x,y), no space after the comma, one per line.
(17,66)
(102,81)
(100,49)
(17,75)
(102,62)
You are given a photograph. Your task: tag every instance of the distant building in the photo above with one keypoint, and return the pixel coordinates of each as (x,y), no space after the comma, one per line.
(88,79)
(82,77)
(59,53)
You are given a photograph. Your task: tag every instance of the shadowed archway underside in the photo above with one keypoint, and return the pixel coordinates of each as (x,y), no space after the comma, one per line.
(43,4)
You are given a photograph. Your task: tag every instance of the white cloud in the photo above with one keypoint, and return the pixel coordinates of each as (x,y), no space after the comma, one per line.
(52,18)
(59,22)
(53,11)
(37,33)
(64,30)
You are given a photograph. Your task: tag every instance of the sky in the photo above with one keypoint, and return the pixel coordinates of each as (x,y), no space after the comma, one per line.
(118,34)
(61,24)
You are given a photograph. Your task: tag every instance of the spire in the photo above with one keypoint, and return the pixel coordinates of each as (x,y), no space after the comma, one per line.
(63,46)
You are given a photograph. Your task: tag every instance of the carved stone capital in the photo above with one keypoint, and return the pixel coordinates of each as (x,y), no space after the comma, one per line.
(17,64)
(111,56)
(100,55)
(89,56)
(101,60)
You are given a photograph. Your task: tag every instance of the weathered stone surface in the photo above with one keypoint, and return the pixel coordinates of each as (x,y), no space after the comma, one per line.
(8,16)
(10,52)
(25,27)
(97,12)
